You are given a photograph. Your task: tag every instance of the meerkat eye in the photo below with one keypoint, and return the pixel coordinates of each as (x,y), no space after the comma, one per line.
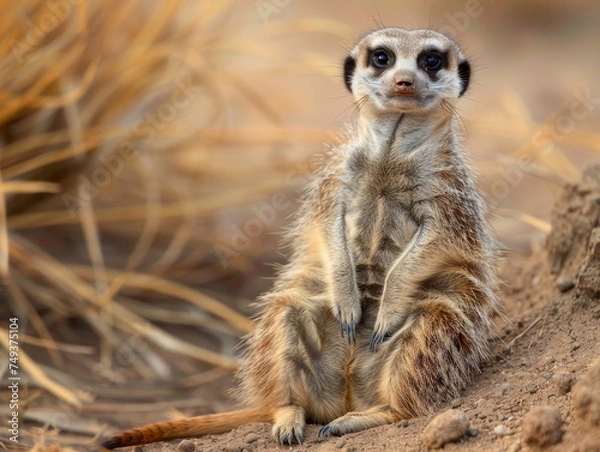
(381,58)
(432,61)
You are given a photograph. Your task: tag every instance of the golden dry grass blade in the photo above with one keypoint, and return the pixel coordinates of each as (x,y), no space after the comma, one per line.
(58,137)
(532,221)
(202,206)
(49,158)
(166,287)
(82,21)
(37,322)
(73,95)
(179,317)
(175,345)
(59,346)
(29,366)
(550,157)
(29,186)
(172,252)
(203,378)
(584,138)
(152,219)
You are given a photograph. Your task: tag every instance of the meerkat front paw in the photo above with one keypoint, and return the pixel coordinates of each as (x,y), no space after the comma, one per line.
(348,316)
(380,333)
(386,325)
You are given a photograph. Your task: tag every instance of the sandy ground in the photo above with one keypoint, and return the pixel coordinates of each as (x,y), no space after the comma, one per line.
(544,347)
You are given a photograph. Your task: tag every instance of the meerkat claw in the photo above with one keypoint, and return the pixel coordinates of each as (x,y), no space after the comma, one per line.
(324,432)
(347,328)
(376,339)
(340,322)
(351,330)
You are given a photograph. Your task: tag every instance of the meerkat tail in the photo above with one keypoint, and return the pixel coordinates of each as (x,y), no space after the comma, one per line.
(185,428)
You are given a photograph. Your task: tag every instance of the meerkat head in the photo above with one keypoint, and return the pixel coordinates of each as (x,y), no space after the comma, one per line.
(406,70)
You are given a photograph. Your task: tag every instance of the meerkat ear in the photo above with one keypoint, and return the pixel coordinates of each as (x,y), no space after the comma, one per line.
(464,72)
(349,67)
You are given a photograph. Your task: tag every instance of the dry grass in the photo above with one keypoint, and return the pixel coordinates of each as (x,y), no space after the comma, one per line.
(112,253)
(114,129)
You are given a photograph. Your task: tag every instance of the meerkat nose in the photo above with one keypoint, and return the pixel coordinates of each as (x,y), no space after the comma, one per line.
(405,82)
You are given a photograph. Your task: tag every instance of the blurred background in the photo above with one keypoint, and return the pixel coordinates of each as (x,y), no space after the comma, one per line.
(152,153)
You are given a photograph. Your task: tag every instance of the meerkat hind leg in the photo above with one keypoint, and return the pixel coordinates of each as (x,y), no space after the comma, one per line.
(356,421)
(289,423)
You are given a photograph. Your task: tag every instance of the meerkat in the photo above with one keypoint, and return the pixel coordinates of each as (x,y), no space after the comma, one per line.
(385,308)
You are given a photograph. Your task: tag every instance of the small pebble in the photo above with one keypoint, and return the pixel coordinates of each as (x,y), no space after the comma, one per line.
(501,430)
(403,423)
(446,427)
(340,443)
(563,382)
(186,446)
(564,284)
(472,432)
(542,427)
(251,438)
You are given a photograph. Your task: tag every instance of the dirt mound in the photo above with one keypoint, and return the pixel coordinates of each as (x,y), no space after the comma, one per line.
(553,306)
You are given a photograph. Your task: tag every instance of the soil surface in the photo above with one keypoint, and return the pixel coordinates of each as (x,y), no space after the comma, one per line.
(534,394)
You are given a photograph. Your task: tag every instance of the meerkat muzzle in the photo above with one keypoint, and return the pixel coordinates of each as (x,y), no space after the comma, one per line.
(405,83)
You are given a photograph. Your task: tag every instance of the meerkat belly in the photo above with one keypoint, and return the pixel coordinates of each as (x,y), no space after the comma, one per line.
(379,227)
(378,230)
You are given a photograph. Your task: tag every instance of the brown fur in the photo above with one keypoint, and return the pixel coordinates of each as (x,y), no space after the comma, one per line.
(392,248)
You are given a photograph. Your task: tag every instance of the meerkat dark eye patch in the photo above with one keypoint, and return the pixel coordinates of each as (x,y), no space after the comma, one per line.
(380,59)
(464,72)
(349,67)
(432,61)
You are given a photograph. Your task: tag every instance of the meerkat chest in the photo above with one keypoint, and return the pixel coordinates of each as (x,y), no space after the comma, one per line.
(378,201)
